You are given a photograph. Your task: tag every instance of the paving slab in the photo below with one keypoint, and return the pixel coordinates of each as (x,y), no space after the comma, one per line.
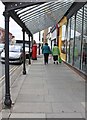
(65,115)
(32,108)
(49,91)
(27,115)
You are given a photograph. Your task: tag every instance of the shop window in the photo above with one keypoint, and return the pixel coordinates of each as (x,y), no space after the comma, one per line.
(63,47)
(63,43)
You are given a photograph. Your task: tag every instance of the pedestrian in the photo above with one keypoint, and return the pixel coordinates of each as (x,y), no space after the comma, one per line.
(46,51)
(55,53)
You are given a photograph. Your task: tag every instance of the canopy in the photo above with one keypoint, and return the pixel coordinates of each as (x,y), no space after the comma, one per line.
(37,15)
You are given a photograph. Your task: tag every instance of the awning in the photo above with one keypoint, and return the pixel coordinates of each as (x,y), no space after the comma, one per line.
(79,21)
(38,15)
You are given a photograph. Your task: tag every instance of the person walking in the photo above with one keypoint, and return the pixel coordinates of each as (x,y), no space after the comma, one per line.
(46,51)
(55,53)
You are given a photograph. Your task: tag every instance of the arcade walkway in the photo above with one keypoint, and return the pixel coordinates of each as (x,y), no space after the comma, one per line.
(48,91)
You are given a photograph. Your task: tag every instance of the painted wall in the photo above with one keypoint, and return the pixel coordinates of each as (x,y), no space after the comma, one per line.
(62,22)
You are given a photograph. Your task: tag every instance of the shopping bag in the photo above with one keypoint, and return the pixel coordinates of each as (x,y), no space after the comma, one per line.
(59,59)
(50,57)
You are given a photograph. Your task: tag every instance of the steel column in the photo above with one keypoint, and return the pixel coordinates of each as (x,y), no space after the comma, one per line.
(29,49)
(32,40)
(24,68)
(39,43)
(66,38)
(82,38)
(7,101)
(74,40)
(51,44)
(69,41)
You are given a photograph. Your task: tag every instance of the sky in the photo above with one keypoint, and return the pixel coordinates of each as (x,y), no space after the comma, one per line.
(14,28)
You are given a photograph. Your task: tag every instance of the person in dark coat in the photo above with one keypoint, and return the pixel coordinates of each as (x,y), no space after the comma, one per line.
(46,51)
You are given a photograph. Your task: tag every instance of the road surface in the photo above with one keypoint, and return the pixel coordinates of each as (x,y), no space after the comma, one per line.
(2,69)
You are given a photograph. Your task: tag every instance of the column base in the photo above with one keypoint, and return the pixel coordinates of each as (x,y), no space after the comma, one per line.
(7,101)
(24,72)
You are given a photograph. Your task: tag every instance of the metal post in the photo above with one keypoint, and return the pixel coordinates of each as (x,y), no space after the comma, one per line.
(58,36)
(82,38)
(39,43)
(51,44)
(69,41)
(32,39)
(24,68)
(66,38)
(29,49)
(7,101)
(74,40)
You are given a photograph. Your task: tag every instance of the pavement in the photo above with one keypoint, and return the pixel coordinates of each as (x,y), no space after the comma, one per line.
(47,91)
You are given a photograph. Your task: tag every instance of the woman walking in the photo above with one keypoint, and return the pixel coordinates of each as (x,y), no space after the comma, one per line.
(55,53)
(46,51)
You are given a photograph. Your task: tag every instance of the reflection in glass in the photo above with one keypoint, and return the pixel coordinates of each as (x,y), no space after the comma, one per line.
(84,53)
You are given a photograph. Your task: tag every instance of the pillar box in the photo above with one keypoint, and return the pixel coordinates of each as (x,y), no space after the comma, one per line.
(34,52)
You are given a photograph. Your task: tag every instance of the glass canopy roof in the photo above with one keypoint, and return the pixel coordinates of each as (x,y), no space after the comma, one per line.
(79,20)
(41,16)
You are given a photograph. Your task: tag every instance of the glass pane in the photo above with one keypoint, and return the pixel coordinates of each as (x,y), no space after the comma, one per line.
(78,39)
(68,42)
(72,38)
(63,47)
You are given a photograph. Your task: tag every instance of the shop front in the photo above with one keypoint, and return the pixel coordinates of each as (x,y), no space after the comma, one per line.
(73,44)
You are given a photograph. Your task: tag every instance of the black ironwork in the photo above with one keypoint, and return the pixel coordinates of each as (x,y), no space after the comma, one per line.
(32,40)
(51,44)
(39,43)
(7,101)
(74,8)
(24,68)
(29,49)
(82,38)
(18,5)
(20,23)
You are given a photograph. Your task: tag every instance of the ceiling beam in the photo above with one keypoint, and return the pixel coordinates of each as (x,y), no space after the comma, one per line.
(19,22)
(17,5)
(74,8)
